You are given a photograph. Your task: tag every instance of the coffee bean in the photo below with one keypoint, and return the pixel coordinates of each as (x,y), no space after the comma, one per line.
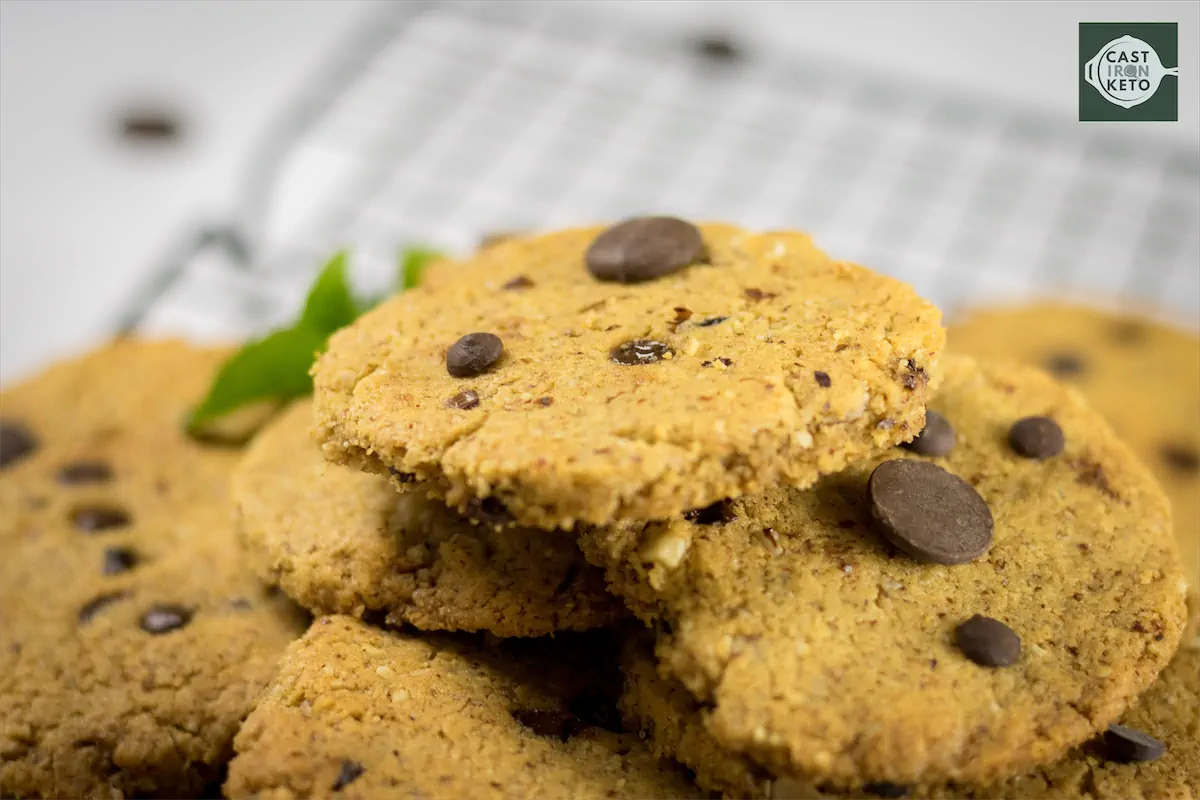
(708,323)
(473,354)
(822,379)
(1036,437)
(348,774)
(643,249)
(929,513)
(98,604)
(118,560)
(719,513)
(639,351)
(85,472)
(549,723)
(93,519)
(517,284)
(16,442)
(885,789)
(1180,457)
(1129,746)
(464,401)
(935,439)
(1064,365)
(988,642)
(165,617)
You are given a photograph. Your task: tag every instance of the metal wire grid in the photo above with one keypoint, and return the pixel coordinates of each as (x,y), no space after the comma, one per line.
(447,120)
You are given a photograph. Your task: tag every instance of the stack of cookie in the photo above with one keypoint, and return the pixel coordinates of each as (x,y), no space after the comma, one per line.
(657,510)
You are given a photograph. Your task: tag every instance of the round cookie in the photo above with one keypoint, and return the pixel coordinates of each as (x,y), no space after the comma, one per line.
(766,362)
(342,541)
(671,721)
(134,638)
(1143,376)
(361,712)
(821,650)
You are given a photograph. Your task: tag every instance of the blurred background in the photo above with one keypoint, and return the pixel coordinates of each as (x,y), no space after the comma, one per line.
(186,165)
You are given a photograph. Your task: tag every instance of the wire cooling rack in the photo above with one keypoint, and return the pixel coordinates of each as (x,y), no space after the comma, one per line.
(441,121)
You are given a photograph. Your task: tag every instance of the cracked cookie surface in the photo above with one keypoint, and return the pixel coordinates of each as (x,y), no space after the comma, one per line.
(819,650)
(1141,375)
(358,711)
(342,541)
(769,362)
(133,640)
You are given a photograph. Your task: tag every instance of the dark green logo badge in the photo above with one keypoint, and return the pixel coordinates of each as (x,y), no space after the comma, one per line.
(1128,71)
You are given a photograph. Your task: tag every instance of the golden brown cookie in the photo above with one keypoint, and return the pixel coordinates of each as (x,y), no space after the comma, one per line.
(1143,376)
(1169,710)
(343,541)
(356,711)
(528,382)
(822,650)
(133,639)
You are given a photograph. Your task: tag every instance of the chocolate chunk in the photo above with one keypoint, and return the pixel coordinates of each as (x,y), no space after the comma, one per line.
(935,439)
(1064,365)
(85,472)
(473,354)
(988,642)
(93,519)
(885,789)
(1036,437)
(16,442)
(822,379)
(719,513)
(98,604)
(118,560)
(639,351)
(643,249)
(597,709)
(708,323)
(165,617)
(1180,457)
(1129,746)
(464,401)
(929,513)
(518,283)
(549,723)
(348,774)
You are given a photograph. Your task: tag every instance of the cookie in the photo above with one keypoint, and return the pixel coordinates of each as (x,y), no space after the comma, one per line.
(343,541)
(529,382)
(671,721)
(133,640)
(1143,376)
(357,711)
(830,638)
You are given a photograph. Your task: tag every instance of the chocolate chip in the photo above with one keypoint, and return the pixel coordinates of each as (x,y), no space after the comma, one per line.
(643,249)
(1180,457)
(935,439)
(85,472)
(164,618)
(1036,437)
(682,314)
(915,377)
(16,442)
(1064,365)
(548,723)
(719,513)
(597,709)
(708,323)
(988,642)
(518,283)
(1129,746)
(348,774)
(929,513)
(464,401)
(545,402)
(886,788)
(639,351)
(98,604)
(722,360)
(823,379)
(473,354)
(758,294)
(93,519)
(118,560)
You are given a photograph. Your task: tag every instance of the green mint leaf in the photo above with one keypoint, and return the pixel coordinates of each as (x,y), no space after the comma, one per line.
(330,305)
(413,261)
(275,367)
